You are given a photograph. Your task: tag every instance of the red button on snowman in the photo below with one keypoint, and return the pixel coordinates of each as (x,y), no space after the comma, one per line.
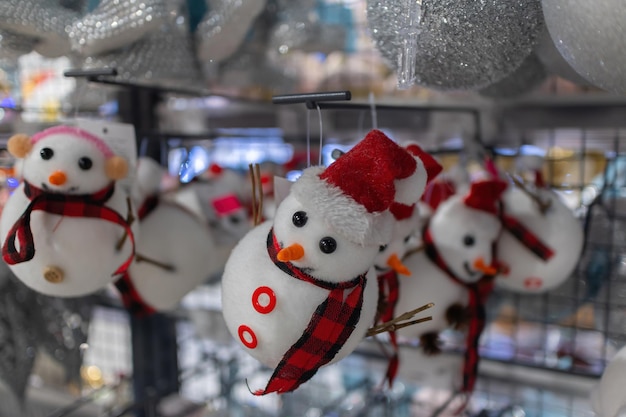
(61,226)
(300,292)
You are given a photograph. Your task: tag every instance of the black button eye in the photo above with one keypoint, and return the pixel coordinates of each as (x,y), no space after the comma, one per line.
(328,245)
(46,153)
(406,239)
(468,240)
(382,248)
(299,218)
(85,163)
(234,219)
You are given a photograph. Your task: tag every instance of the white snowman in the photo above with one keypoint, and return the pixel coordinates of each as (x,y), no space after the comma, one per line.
(541,242)
(607,397)
(62,227)
(300,292)
(175,250)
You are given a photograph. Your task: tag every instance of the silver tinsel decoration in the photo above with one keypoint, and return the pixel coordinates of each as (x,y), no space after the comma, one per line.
(115,24)
(165,56)
(530,75)
(12,45)
(224,28)
(461,44)
(45,20)
(590,36)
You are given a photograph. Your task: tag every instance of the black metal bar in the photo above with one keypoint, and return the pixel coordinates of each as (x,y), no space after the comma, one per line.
(90,73)
(311,99)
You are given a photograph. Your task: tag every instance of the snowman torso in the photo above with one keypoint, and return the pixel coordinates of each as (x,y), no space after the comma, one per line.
(174,237)
(558,229)
(83,248)
(427,284)
(250,289)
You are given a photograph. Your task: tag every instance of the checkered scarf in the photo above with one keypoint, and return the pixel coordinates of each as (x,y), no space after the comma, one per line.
(389,291)
(330,327)
(83,205)
(526,237)
(478,293)
(131,298)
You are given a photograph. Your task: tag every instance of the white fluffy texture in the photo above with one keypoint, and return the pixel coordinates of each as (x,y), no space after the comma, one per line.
(173,236)
(83,248)
(250,267)
(405,237)
(559,229)
(409,190)
(347,262)
(607,399)
(342,213)
(148,179)
(449,226)
(67,151)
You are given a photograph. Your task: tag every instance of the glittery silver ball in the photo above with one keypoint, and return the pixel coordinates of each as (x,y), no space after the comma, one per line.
(554,62)
(44,20)
(530,75)
(591,36)
(12,45)
(115,24)
(461,44)
(222,31)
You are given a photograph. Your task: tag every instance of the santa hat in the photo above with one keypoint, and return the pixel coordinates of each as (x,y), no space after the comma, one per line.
(437,192)
(355,193)
(76,133)
(410,189)
(484,195)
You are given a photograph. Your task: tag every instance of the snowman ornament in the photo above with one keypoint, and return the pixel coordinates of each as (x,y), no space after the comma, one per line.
(63,227)
(175,249)
(299,292)
(456,269)
(607,397)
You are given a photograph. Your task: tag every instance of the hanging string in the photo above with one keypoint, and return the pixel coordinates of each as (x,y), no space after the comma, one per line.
(308,139)
(319,115)
(373,113)
(80,93)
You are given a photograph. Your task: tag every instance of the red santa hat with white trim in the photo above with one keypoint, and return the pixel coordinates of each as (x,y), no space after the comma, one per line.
(355,194)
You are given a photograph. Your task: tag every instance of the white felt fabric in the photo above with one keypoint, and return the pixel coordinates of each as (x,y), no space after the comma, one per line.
(409,190)
(250,267)
(83,248)
(607,399)
(405,237)
(558,228)
(148,179)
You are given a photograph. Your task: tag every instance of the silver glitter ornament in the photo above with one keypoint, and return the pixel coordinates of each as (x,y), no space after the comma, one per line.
(115,24)
(44,20)
(461,44)
(166,56)
(530,75)
(591,36)
(224,28)
(554,62)
(12,45)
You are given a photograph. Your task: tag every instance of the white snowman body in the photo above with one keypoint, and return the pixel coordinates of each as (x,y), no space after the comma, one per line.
(607,398)
(461,235)
(251,280)
(558,229)
(404,237)
(84,249)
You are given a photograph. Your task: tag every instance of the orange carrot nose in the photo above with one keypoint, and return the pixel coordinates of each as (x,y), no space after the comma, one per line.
(57,178)
(290,253)
(479,264)
(396,264)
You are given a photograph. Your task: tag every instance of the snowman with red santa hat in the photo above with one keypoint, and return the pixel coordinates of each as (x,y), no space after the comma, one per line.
(300,291)
(62,225)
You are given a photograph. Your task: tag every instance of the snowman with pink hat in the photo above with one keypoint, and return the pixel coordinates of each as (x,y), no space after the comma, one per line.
(67,230)
(456,269)
(300,291)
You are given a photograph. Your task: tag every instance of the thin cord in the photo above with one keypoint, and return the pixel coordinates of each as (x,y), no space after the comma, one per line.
(319,115)
(80,92)
(372,101)
(308,138)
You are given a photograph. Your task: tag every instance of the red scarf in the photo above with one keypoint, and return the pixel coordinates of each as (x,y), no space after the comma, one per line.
(478,293)
(389,290)
(331,325)
(526,237)
(83,205)
(131,298)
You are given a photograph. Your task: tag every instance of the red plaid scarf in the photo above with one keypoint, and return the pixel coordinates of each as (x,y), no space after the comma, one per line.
(478,293)
(389,290)
(131,298)
(330,327)
(84,205)
(526,237)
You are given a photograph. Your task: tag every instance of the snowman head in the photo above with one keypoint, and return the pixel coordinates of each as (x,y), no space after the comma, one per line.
(67,160)
(403,238)
(464,229)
